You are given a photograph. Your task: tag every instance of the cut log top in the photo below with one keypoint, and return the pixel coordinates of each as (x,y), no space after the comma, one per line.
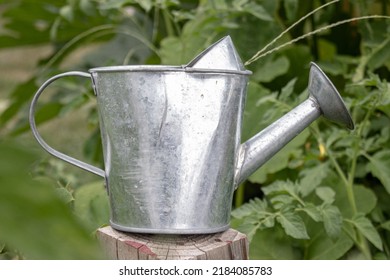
(227,245)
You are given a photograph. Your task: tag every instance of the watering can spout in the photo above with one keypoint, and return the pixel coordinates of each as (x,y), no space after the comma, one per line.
(323,100)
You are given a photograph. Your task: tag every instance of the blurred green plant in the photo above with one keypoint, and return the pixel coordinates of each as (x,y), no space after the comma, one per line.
(324,196)
(34,222)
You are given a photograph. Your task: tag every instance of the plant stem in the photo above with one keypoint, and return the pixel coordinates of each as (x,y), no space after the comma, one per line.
(240,195)
(363,245)
(338,168)
(360,241)
(155,23)
(349,186)
(168,23)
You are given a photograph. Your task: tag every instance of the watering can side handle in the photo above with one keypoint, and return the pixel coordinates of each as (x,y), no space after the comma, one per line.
(40,140)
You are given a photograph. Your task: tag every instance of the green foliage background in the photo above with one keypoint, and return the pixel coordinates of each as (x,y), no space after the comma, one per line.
(324,196)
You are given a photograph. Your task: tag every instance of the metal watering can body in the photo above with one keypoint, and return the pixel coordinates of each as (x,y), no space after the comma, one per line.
(171,138)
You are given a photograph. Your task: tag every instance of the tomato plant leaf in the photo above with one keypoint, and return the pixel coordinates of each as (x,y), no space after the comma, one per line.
(322,247)
(271,69)
(312,177)
(38,223)
(365,198)
(365,226)
(293,225)
(326,194)
(313,212)
(277,245)
(64,194)
(248,229)
(255,9)
(291,8)
(91,205)
(380,167)
(333,220)
(386,225)
(254,206)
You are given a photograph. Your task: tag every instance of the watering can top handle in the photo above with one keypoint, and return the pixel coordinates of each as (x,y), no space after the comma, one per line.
(40,140)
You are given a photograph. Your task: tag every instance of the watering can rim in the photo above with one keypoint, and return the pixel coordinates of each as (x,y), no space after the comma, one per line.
(165,68)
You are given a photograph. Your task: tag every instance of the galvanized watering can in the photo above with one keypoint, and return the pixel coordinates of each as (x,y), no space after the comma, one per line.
(171,138)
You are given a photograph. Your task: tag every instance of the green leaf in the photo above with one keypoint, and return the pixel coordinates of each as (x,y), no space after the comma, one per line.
(380,167)
(243,211)
(280,188)
(254,206)
(365,198)
(91,205)
(74,104)
(19,97)
(22,27)
(282,194)
(280,201)
(114,4)
(258,11)
(33,219)
(291,8)
(365,226)
(322,247)
(271,244)
(312,177)
(326,194)
(333,220)
(145,4)
(386,225)
(45,113)
(65,195)
(87,7)
(268,221)
(293,225)
(271,69)
(287,90)
(249,229)
(379,54)
(313,212)
(174,52)
(252,216)
(67,13)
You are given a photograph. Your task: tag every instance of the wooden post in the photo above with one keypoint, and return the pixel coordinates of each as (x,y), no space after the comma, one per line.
(228,245)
